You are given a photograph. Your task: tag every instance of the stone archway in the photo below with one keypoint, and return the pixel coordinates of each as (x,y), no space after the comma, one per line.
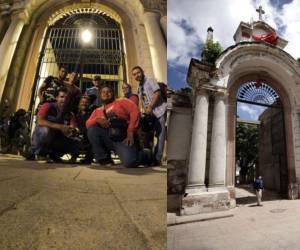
(286,167)
(269,64)
(211,163)
(138,20)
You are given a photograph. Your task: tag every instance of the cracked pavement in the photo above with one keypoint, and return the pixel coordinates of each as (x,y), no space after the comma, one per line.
(62,206)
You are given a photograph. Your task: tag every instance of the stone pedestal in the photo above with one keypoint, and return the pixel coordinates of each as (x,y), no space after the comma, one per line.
(205,202)
(199,199)
(157,44)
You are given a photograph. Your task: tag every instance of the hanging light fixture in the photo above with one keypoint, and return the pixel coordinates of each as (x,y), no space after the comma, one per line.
(86,36)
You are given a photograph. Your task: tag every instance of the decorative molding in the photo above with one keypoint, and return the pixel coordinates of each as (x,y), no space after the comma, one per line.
(80,8)
(156,6)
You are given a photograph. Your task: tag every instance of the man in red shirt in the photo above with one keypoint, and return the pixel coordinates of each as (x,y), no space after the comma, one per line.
(52,135)
(101,122)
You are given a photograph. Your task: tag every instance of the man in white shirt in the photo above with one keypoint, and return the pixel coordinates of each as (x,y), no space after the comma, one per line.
(150,95)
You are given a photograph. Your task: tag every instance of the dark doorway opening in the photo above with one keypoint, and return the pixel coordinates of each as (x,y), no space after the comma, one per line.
(260,140)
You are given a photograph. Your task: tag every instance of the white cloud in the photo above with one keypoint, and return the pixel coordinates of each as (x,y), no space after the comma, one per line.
(224,16)
(290,17)
(248,111)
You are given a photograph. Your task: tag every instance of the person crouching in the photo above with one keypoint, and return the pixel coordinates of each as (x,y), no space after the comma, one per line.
(52,135)
(111,127)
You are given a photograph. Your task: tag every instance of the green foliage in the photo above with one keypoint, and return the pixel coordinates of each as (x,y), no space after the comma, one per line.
(211,51)
(185,91)
(298,60)
(246,150)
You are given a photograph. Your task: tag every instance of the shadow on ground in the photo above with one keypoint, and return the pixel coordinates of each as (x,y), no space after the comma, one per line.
(245,195)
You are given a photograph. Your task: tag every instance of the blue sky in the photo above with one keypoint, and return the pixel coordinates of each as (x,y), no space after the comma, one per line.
(188,21)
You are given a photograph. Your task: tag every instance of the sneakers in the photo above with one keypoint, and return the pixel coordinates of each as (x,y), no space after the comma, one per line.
(103,163)
(41,158)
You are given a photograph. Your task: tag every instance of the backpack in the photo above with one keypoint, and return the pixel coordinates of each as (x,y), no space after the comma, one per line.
(163,90)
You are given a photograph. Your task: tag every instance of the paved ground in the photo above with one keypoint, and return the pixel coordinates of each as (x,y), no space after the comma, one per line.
(274,226)
(60,206)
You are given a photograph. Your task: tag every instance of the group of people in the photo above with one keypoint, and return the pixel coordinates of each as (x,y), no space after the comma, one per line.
(97,124)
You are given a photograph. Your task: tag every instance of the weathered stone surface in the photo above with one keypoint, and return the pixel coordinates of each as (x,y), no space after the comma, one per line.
(65,206)
(273,226)
(204,202)
(176,177)
(272,163)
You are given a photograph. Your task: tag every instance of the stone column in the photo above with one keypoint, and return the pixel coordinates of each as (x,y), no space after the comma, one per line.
(157,44)
(4,16)
(163,23)
(197,160)
(9,43)
(217,166)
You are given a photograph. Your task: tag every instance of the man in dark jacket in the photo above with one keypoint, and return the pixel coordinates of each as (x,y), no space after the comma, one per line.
(81,117)
(258,186)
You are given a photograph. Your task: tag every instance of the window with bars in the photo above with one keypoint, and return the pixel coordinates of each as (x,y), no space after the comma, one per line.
(103,56)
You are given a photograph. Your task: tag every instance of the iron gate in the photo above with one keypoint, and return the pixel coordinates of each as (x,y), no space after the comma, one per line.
(103,56)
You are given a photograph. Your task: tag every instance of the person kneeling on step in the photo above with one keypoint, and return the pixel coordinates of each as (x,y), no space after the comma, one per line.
(53,135)
(112,127)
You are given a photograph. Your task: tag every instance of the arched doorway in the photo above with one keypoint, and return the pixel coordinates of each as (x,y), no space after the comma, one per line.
(260,137)
(65,44)
(129,15)
(274,96)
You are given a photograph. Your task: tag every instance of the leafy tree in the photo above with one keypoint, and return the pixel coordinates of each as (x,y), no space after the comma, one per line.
(298,60)
(184,91)
(246,151)
(211,51)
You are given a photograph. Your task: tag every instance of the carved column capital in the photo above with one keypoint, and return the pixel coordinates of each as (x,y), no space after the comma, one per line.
(159,6)
(220,93)
(4,9)
(202,91)
(19,11)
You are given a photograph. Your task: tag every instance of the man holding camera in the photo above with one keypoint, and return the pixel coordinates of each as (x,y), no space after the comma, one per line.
(55,128)
(112,127)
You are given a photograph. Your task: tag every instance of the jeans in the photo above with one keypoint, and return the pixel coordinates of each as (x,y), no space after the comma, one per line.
(160,134)
(50,141)
(102,145)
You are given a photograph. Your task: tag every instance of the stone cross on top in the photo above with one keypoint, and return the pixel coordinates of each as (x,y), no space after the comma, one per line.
(260,12)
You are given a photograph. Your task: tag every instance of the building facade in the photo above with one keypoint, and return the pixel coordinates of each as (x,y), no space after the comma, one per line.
(28,29)
(209,165)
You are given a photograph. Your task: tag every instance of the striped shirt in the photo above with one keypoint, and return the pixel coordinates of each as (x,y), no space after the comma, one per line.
(146,92)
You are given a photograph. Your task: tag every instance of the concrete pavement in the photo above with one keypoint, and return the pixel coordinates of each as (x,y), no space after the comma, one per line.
(61,206)
(274,226)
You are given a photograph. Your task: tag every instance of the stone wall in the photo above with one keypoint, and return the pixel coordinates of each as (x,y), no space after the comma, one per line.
(272,163)
(179,138)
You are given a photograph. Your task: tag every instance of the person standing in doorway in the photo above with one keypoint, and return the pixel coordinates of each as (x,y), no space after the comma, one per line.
(258,186)
(153,104)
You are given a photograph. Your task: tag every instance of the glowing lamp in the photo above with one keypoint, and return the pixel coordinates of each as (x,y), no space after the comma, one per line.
(86,36)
